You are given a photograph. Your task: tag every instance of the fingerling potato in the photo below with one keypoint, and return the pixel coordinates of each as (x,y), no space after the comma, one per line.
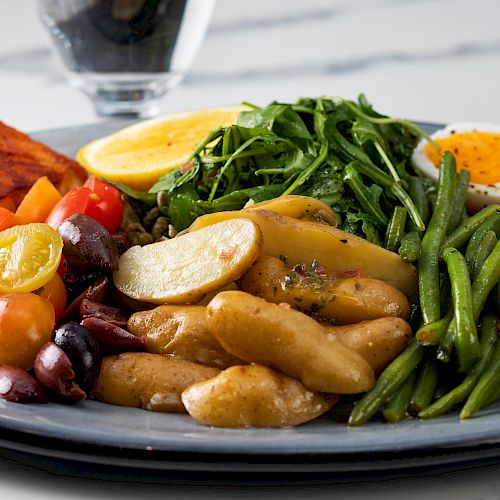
(378,341)
(344,300)
(150,381)
(253,396)
(298,207)
(181,331)
(182,270)
(301,242)
(257,331)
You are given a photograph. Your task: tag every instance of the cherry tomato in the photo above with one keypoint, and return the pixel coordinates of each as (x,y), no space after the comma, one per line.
(76,201)
(55,292)
(95,198)
(30,255)
(105,204)
(26,323)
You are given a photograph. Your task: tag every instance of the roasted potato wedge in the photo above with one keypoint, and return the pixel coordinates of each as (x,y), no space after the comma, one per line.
(301,242)
(181,331)
(150,381)
(378,341)
(253,396)
(298,207)
(345,301)
(182,270)
(257,331)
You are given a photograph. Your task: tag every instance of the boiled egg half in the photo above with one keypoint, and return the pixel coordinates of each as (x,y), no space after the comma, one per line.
(476,147)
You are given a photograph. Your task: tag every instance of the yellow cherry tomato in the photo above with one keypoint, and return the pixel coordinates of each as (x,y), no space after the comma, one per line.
(29,256)
(26,324)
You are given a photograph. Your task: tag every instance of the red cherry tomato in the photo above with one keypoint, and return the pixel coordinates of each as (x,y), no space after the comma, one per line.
(95,198)
(105,204)
(75,201)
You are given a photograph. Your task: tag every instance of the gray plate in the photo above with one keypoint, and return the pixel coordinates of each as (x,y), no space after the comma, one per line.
(104,434)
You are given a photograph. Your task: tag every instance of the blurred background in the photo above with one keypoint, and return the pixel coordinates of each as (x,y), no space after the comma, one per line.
(432,60)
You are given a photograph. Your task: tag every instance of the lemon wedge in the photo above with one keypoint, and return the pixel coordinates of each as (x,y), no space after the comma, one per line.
(138,155)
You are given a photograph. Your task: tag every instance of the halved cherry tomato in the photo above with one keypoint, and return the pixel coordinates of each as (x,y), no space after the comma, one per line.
(95,198)
(105,203)
(76,201)
(29,257)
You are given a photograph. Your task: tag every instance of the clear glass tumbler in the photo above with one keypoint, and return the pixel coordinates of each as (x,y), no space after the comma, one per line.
(126,54)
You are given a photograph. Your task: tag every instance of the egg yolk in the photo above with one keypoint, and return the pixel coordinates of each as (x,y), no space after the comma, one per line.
(477,152)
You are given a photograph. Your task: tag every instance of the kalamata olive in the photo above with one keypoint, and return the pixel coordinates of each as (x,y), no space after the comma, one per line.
(18,386)
(77,281)
(96,292)
(54,371)
(91,309)
(88,245)
(82,350)
(122,241)
(112,337)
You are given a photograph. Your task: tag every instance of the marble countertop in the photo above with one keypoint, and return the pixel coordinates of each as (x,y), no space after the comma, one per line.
(431,60)
(428,60)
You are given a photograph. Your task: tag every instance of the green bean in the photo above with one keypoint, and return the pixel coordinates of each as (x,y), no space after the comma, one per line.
(362,194)
(466,340)
(459,199)
(463,233)
(447,342)
(418,194)
(460,393)
(483,251)
(410,247)
(486,280)
(395,229)
(428,265)
(487,385)
(433,333)
(387,384)
(425,386)
(490,224)
(395,410)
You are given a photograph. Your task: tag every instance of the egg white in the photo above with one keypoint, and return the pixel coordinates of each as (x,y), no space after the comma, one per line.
(478,195)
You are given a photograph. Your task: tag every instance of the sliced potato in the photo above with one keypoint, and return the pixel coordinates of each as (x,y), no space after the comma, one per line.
(345,301)
(298,207)
(181,331)
(302,241)
(378,341)
(150,381)
(253,396)
(257,331)
(183,269)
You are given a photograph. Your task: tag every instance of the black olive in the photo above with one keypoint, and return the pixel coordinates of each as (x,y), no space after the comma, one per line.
(83,352)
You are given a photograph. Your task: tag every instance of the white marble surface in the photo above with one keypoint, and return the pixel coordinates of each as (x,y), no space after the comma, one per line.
(434,60)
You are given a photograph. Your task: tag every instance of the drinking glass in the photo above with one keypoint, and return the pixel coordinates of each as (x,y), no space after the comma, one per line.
(126,54)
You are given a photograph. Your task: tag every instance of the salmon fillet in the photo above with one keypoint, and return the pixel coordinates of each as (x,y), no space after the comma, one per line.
(23,161)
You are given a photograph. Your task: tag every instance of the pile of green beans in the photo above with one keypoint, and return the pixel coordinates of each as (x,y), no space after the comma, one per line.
(454,359)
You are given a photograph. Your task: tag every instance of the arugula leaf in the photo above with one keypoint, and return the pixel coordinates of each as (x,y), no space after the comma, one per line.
(144,196)
(166,182)
(183,208)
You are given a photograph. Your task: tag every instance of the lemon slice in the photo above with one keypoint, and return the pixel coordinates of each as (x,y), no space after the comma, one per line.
(29,256)
(138,155)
